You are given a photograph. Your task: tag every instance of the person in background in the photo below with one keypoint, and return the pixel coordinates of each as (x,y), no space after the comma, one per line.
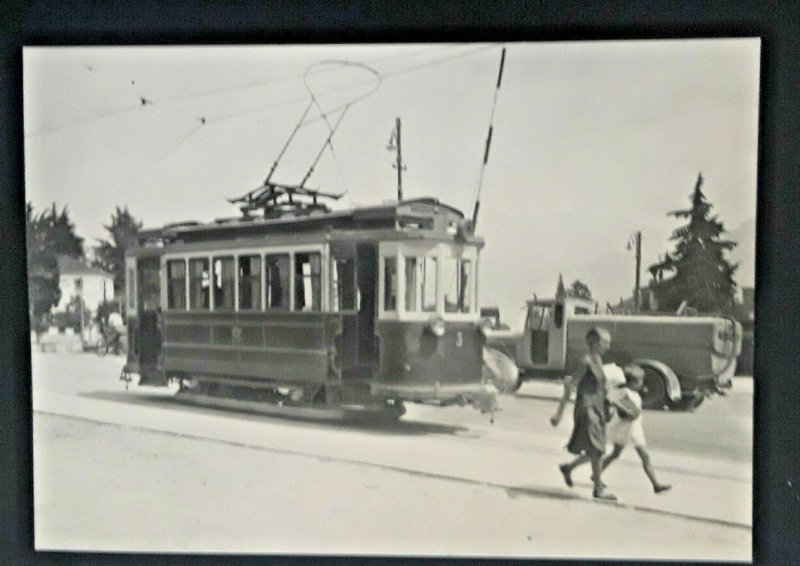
(116,329)
(625,427)
(588,439)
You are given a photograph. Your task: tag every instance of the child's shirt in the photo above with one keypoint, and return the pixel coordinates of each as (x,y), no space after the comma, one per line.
(621,431)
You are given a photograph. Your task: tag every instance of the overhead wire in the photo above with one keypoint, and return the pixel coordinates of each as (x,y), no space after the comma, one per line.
(213,92)
(385,76)
(323,115)
(149,168)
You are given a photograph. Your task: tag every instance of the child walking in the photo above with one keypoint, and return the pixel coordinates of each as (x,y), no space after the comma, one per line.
(625,427)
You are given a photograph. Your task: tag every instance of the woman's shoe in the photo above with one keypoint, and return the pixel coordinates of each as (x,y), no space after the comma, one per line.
(662,488)
(602,494)
(567,473)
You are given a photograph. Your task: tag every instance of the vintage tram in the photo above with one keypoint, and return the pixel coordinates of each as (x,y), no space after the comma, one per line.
(308,311)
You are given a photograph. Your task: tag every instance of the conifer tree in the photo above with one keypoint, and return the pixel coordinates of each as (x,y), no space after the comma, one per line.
(110,254)
(43,290)
(60,232)
(701,275)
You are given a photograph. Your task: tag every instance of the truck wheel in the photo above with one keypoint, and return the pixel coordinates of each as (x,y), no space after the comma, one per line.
(654,390)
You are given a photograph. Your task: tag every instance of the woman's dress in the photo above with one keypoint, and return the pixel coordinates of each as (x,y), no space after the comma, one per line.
(589,430)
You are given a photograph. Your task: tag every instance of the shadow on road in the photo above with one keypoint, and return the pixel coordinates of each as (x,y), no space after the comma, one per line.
(166,401)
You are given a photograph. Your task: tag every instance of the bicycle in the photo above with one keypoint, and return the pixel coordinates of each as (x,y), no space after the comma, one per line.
(114,342)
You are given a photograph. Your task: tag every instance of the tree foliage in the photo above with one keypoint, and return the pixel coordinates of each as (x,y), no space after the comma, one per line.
(48,234)
(110,253)
(43,290)
(60,233)
(579,289)
(701,275)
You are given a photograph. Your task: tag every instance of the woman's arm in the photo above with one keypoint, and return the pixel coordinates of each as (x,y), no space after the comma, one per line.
(595,363)
(569,382)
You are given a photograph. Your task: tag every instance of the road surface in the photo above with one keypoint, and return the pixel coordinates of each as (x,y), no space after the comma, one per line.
(137,471)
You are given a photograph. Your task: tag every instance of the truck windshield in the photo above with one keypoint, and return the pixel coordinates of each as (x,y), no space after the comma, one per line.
(540,315)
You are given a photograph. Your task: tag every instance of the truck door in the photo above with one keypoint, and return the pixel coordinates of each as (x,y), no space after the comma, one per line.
(538,319)
(548,331)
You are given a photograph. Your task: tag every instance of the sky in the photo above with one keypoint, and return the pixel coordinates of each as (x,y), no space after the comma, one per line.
(592,141)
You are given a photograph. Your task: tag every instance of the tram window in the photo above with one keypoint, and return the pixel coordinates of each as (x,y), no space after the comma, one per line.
(421,284)
(390,284)
(131,289)
(457,279)
(276,271)
(176,284)
(149,284)
(343,284)
(307,271)
(250,282)
(224,283)
(199,285)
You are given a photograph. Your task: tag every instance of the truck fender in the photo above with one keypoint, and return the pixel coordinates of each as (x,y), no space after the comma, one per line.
(500,370)
(670,379)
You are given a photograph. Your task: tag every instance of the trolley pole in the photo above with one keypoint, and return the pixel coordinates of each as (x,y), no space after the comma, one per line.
(394,144)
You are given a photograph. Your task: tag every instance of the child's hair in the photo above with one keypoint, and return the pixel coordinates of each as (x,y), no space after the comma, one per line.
(633,373)
(595,333)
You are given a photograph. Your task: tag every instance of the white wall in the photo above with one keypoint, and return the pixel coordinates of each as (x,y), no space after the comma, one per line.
(92,290)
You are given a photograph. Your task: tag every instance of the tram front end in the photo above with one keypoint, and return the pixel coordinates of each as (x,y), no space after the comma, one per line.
(429,328)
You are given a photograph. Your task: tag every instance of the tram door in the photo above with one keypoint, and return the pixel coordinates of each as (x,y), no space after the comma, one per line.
(148,335)
(354,296)
(367,282)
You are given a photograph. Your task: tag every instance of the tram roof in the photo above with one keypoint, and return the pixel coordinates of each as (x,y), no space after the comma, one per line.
(423,216)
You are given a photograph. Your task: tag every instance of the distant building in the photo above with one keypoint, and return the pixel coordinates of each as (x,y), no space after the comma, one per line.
(75,277)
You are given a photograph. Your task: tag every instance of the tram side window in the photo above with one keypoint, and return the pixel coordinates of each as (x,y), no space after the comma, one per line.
(224,283)
(199,285)
(276,271)
(421,284)
(390,284)
(176,284)
(343,284)
(307,280)
(131,289)
(250,282)
(457,280)
(149,284)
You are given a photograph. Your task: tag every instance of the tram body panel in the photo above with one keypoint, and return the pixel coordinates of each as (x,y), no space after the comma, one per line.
(262,345)
(416,364)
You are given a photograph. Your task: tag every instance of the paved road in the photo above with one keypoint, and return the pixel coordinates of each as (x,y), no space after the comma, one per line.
(432,449)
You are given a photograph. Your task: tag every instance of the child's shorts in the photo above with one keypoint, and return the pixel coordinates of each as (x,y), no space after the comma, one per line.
(626,433)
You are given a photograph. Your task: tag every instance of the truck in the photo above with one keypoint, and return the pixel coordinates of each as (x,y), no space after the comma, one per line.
(685,358)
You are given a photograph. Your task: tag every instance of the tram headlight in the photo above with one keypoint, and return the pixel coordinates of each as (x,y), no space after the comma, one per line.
(436,326)
(485,325)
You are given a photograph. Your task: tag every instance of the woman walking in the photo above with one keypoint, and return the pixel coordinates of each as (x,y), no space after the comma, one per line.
(588,440)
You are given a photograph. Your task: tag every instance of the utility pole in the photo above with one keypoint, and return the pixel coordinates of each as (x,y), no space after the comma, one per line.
(637,242)
(79,285)
(394,144)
